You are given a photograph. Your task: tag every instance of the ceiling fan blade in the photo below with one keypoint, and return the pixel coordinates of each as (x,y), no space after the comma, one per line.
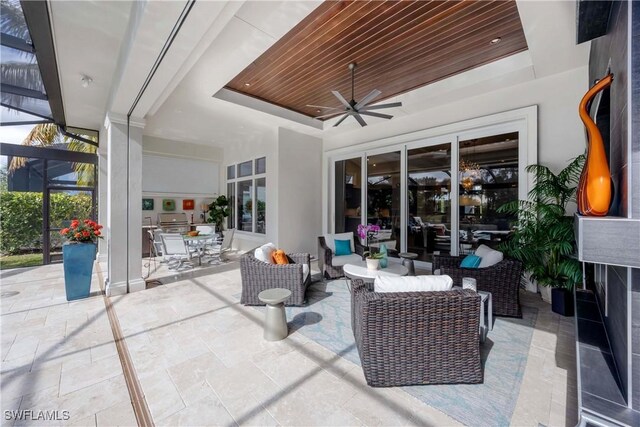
(341,98)
(323,107)
(364,101)
(335,113)
(382,116)
(360,120)
(341,120)
(381,106)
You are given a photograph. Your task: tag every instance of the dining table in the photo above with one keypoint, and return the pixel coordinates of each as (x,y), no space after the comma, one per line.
(199,242)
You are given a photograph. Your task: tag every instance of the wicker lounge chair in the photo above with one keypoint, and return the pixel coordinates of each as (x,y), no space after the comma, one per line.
(258,276)
(329,268)
(409,338)
(502,280)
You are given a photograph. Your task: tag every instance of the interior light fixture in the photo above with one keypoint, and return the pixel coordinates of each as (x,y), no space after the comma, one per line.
(496,40)
(247,84)
(86,80)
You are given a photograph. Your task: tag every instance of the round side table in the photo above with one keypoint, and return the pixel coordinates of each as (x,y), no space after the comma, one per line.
(275,318)
(407,261)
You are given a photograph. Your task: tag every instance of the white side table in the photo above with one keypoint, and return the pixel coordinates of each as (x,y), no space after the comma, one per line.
(275,319)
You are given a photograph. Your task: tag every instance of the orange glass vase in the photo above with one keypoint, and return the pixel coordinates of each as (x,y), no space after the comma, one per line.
(594,188)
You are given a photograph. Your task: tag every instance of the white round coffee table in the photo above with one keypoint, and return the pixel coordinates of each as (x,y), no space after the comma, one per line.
(360,271)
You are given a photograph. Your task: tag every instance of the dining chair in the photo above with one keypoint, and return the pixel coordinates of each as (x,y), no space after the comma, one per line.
(220,248)
(176,251)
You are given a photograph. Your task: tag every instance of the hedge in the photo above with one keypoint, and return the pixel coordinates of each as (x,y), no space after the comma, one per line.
(21,218)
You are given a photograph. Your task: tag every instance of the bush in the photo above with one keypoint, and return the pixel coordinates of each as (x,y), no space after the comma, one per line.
(21,218)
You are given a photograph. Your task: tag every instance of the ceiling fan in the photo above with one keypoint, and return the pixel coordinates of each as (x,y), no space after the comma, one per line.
(356,109)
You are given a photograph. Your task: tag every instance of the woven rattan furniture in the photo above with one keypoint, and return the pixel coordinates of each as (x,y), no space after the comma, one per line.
(409,338)
(502,280)
(325,260)
(258,276)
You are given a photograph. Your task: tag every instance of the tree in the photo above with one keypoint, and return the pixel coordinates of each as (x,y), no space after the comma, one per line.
(48,135)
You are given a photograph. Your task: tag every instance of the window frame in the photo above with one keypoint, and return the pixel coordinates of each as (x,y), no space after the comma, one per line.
(254,193)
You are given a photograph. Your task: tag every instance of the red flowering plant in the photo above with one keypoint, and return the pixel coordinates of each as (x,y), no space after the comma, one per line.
(82,232)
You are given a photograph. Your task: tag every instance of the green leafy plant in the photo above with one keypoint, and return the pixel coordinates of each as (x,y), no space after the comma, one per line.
(373,255)
(218,211)
(544,239)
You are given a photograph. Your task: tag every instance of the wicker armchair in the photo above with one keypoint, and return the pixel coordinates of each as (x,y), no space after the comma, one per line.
(258,276)
(502,280)
(325,260)
(409,338)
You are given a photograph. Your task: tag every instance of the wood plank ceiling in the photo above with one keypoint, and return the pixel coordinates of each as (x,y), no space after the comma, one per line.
(398,46)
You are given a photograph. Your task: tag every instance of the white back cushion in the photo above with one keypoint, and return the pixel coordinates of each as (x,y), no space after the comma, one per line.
(264,252)
(488,256)
(330,239)
(412,283)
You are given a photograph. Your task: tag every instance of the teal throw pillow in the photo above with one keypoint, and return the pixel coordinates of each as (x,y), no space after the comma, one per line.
(343,247)
(471,261)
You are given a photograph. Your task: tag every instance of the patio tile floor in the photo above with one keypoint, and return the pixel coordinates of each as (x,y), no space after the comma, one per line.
(201,359)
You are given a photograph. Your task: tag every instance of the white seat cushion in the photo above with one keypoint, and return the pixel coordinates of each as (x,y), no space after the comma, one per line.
(264,252)
(339,261)
(305,271)
(413,283)
(488,256)
(329,240)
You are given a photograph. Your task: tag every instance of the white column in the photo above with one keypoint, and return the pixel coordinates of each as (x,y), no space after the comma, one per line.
(102,198)
(124,204)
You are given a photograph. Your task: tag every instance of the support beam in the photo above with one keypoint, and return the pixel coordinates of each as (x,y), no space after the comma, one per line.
(124,204)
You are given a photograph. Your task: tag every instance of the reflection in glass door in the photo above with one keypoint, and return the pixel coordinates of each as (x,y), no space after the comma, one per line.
(348,195)
(488,176)
(383,199)
(429,201)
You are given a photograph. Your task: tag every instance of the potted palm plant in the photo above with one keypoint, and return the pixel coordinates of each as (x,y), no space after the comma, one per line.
(78,254)
(543,239)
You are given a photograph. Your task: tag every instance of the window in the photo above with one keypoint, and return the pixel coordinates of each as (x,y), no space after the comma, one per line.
(247,193)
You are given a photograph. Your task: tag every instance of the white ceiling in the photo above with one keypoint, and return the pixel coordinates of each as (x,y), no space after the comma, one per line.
(219,39)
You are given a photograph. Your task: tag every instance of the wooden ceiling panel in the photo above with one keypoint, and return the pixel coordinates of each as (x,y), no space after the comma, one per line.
(398,46)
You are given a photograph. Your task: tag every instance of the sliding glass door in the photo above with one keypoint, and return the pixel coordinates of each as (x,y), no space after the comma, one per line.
(429,200)
(383,199)
(435,196)
(348,195)
(488,176)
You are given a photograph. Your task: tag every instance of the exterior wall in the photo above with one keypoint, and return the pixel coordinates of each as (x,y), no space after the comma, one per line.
(299,198)
(257,145)
(560,132)
(183,152)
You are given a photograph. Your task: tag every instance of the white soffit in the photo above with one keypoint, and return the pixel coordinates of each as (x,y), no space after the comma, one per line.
(87,38)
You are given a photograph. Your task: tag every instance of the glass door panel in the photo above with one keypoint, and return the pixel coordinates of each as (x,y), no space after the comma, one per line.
(429,201)
(348,195)
(383,199)
(488,173)
(21,183)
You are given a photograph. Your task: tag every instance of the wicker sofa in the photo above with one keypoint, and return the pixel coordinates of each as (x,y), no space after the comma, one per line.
(502,280)
(326,260)
(258,276)
(409,338)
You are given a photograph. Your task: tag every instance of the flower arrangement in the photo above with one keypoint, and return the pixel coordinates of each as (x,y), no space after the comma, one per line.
(82,232)
(365,232)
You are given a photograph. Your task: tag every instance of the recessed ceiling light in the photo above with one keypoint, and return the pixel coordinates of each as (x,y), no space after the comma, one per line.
(318,111)
(496,40)
(247,84)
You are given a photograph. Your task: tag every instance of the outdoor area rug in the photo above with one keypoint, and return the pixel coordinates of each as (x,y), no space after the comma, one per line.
(327,320)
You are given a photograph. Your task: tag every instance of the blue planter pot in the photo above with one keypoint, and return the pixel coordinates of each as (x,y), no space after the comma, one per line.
(78,266)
